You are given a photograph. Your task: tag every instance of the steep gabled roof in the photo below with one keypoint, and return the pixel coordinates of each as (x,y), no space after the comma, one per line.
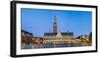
(50,34)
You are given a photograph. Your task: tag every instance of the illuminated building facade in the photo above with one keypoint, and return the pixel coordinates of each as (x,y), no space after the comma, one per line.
(57,37)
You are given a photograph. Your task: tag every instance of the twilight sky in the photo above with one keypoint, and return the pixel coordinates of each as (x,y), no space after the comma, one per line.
(38,21)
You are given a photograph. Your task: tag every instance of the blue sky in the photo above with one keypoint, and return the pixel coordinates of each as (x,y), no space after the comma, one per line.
(38,21)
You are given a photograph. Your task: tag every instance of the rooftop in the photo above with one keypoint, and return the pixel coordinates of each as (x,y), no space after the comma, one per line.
(54,34)
(26,32)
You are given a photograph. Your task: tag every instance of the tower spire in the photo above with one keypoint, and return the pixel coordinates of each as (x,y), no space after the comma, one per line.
(54,25)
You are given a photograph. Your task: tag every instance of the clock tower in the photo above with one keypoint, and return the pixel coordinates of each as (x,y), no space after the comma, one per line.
(55,25)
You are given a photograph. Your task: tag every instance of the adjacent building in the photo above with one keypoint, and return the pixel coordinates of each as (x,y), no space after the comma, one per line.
(26,39)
